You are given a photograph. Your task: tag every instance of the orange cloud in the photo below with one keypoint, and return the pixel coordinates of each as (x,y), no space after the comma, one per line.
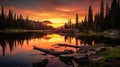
(57,11)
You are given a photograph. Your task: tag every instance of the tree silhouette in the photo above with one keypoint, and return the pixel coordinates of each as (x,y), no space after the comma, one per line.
(65,26)
(85,24)
(97,22)
(102,15)
(77,20)
(69,24)
(101,22)
(107,24)
(107,9)
(2,19)
(14,21)
(115,15)
(90,18)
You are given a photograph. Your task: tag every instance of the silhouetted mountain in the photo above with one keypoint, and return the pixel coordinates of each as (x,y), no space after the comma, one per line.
(47,22)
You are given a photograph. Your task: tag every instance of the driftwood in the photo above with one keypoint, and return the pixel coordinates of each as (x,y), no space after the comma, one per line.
(68,45)
(68,59)
(51,52)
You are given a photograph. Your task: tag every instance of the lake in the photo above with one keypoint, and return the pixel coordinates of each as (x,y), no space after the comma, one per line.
(16,49)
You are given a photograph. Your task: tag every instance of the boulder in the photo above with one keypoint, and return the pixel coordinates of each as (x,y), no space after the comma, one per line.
(101,48)
(66,59)
(84,49)
(81,59)
(68,51)
(41,64)
(97,58)
(113,34)
(90,53)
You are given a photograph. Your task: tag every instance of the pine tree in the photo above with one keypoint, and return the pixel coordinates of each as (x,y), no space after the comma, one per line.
(70,23)
(102,15)
(107,18)
(97,22)
(2,19)
(77,20)
(65,26)
(115,15)
(10,19)
(107,9)
(90,17)
(85,23)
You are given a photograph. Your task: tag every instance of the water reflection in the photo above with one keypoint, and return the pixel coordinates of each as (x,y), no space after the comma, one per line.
(19,46)
(82,41)
(12,40)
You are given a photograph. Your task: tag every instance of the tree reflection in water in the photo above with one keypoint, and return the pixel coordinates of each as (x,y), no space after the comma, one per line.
(10,41)
(15,39)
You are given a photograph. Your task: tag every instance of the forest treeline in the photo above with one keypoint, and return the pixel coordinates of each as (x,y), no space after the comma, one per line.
(107,18)
(14,21)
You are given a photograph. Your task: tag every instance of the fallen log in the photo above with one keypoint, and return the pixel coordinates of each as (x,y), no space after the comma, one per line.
(51,51)
(68,45)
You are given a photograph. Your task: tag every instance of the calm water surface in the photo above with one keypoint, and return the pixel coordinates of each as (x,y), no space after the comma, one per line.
(16,50)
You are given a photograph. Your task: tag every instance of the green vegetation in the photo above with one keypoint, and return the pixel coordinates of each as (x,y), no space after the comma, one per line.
(111,53)
(110,57)
(90,33)
(21,30)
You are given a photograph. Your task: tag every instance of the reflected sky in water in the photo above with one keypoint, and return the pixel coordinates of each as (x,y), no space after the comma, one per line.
(16,50)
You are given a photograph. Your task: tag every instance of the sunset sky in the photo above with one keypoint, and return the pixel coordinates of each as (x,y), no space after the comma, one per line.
(56,11)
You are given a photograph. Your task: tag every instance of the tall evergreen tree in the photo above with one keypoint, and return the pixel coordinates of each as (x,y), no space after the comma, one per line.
(90,17)
(102,15)
(2,19)
(107,18)
(10,19)
(115,15)
(77,20)
(85,23)
(97,22)
(65,26)
(107,9)
(70,23)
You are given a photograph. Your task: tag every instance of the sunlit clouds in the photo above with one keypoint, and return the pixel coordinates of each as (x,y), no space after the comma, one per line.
(57,11)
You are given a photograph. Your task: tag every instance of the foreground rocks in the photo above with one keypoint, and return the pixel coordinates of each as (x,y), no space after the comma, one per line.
(42,63)
(113,34)
(83,56)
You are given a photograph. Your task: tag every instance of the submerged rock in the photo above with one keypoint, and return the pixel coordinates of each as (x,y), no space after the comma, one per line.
(78,58)
(41,64)
(81,59)
(68,51)
(84,49)
(66,59)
